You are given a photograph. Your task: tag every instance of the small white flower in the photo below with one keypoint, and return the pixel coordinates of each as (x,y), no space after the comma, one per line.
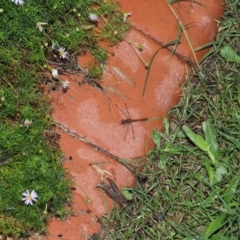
(125,15)
(29,197)
(62,52)
(65,84)
(54,72)
(20,2)
(93,17)
(39,26)
(27,123)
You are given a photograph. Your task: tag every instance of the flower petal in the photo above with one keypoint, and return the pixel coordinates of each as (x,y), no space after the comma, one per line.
(25,193)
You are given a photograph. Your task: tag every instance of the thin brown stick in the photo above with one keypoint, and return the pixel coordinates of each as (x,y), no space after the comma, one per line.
(96,147)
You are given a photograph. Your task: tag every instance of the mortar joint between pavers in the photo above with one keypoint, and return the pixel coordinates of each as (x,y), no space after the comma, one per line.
(181,57)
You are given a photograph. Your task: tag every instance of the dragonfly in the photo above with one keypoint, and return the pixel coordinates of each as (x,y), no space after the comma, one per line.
(129,121)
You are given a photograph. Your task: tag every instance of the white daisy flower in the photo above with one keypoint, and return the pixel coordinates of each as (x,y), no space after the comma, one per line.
(65,84)
(29,197)
(93,17)
(20,2)
(54,72)
(62,52)
(39,26)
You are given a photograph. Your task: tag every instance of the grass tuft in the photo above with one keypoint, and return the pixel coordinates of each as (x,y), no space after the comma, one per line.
(31,34)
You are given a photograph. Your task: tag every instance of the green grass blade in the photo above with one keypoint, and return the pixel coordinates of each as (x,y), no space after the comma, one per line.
(148,71)
(200,178)
(221,237)
(214,225)
(196,139)
(239,95)
(166,126)
(156,136)
(207,45)
(230,190)
(210,137)
(230,138)
(209,171)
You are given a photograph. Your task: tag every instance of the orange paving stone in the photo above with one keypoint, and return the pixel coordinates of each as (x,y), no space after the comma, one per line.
(156,20)
(89,119)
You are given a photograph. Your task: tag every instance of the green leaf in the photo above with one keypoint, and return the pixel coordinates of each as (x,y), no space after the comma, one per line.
(229,54)
(211,156)
(230,190)
(166,125)
(214,225)
(156,136)
(221,237)
(127,193)
(210,137)
(220,171)
(209,171)
(196,139)
(207,45)
(173,149)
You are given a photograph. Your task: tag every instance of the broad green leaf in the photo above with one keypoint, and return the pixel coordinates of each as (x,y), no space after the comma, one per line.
(214,225)
(196,139)
(220,171)
(229,54)
(210,137)
(127,193)
(230,190)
